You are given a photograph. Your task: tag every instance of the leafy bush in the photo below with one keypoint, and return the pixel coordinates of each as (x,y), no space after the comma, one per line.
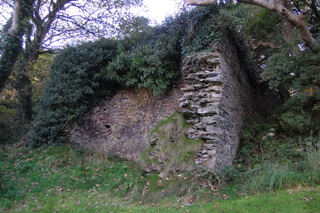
(296,71)
(292,68)
(72,87)
(155,65)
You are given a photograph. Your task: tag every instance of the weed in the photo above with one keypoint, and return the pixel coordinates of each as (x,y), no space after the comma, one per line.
(267,177)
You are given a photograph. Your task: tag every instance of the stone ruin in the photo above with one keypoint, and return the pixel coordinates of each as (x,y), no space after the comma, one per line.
(214,96)
(216,100)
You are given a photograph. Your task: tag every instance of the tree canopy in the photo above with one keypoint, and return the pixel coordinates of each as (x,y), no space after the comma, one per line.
(47,24)
(38,26)
(285,8)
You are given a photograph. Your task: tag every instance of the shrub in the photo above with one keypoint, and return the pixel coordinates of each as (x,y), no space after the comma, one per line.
(155,65)
(72,87)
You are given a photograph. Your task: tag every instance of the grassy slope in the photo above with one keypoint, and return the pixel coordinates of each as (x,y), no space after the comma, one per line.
(58,179)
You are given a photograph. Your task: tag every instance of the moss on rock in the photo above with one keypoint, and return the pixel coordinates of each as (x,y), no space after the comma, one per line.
(170,150)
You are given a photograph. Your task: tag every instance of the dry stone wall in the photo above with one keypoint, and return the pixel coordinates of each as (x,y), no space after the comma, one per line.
(121,124)
(217,98)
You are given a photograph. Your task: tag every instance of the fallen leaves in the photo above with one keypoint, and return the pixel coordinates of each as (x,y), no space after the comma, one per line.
(58,190)
(160,183)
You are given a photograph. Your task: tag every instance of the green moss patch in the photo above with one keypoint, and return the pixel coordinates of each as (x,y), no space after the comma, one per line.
(170,150)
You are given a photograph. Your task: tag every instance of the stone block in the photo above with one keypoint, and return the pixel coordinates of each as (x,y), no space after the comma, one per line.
(212,153)
(211,110)
(187,88)
(208,146)
(217,79)
(211,120)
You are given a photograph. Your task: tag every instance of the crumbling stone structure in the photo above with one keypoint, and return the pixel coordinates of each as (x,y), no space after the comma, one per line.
(120,125)
(215,97)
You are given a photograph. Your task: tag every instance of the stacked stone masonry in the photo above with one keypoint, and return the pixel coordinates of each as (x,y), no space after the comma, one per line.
(216,100)
(120,125)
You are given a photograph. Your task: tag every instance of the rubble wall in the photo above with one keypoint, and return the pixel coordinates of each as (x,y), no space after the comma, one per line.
(217,98)
(119,126)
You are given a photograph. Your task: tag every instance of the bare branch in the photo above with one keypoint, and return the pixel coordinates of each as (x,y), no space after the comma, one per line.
(200,2)
(15,20)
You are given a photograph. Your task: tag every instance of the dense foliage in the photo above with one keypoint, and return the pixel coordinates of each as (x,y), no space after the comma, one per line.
(71,88)
(291,69)
(154,65)
(152,60)
(297,73)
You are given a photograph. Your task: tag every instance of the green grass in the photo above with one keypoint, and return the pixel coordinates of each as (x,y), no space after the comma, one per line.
(59,179)
(49,171)
(85,201)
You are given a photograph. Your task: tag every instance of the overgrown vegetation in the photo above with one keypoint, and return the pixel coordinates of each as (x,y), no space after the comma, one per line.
(79,74)
(154,65)
(57,178)
(279,150)
(73,85)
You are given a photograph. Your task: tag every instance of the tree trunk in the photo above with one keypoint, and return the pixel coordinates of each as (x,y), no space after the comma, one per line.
(24,92)
(282,7)
(12,39)
(30,55)
(12,46)
(23,84)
